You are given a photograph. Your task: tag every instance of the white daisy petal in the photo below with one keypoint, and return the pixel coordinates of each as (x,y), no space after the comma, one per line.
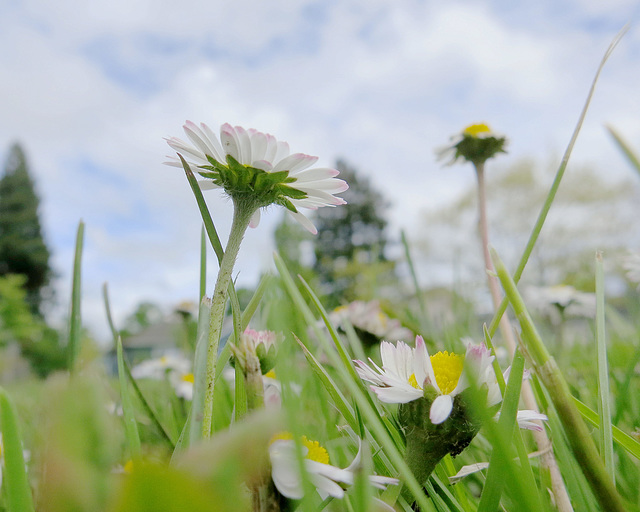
(295,163)
(255,219)
(440,409)
(251,148)
(304,221)
(229,142)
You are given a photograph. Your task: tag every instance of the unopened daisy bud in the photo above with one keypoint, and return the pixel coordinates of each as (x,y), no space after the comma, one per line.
(475,144)
(261,344)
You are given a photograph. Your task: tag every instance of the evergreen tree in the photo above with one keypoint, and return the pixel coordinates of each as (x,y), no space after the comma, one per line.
(350,237)
(22,248)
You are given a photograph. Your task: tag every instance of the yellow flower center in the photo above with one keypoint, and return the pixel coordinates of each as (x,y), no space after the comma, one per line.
(413,381)
(315,451)
(128,466)
(271,374)
(447,369)
(476,129)
(188,377)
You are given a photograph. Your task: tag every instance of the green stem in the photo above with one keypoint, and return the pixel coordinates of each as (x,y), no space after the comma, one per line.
(241,216)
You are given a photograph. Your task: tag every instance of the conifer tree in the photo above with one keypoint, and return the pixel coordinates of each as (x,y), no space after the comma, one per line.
(350,237)
(22,247)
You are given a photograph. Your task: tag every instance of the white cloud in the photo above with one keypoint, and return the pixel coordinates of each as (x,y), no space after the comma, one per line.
(91,88)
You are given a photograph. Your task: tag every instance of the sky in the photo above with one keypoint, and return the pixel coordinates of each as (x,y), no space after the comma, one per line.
(91,89)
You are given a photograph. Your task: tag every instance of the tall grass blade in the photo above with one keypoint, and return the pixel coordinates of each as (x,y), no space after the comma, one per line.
(145,404)
(554,381)
(542,216)
(16,482)
(626,149)
(128,413)
(75,316)
(604,395)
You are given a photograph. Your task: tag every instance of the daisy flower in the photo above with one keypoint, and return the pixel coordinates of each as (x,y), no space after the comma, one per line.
(476,144)
(370,320)
(327,479)
(408,374)
(253,166)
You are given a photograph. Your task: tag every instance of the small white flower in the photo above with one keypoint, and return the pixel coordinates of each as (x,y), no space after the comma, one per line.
(556,302)
(325,477)
(632,265)
(369,317)
(175,368)
(267,169)
(406,372)
(158,368)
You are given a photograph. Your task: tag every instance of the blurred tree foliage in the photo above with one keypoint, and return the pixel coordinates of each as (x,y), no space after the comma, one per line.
(22,247)
(39,343)
(352,239)
(591,212)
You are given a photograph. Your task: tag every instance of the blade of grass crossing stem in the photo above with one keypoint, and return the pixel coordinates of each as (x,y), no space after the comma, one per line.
(210,228)
(145,404)
(535,233)
(204,210)
(581,442)
(626,149)
(16,480)
(199,374)
(604,396)
(75,316)
(131,427)
(623,439)
(374,423)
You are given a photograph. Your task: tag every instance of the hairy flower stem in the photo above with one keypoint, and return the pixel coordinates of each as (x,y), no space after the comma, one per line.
(243,210)
(542,440)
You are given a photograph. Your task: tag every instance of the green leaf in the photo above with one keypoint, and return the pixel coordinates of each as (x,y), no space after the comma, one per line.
(75,317)
(16,483)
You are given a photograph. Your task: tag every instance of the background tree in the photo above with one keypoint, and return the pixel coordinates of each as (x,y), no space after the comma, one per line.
(590,212)
(351,239)
(22,247)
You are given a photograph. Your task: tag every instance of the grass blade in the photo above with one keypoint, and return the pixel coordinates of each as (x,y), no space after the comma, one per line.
(16,482)
(626,149)
(374,423)
(131,427)
(145,404)
(542,217)
(604,396)
(75,316)
(623,439)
